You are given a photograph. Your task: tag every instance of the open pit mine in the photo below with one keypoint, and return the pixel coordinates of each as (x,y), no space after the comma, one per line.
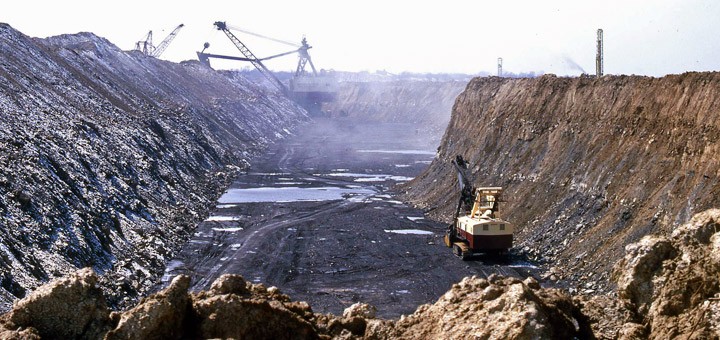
(145,199)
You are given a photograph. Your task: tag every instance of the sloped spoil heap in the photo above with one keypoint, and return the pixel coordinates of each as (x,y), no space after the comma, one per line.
(110,158)
(589,165)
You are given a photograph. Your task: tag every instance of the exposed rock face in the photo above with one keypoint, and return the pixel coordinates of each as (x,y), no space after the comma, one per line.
(589,164)
(672,283)
(110,158)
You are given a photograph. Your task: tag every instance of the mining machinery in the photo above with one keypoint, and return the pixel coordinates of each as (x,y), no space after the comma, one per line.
(146,46)
(477,226)
(309,89)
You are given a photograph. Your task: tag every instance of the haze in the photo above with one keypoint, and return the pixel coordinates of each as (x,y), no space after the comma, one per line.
(452,36)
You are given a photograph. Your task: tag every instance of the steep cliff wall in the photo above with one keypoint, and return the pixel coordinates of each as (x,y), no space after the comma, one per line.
(427,103)
(109,158)
(589,165)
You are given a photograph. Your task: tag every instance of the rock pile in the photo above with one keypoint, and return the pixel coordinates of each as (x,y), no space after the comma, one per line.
(493,308)
(74,307)
(667,287)
(672,283)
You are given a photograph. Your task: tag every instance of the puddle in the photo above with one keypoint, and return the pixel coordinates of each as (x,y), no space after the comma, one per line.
(226,206)
(383,178)
(523,265)
(368,177)
(222,218)
(402,165)
(402,152)
(414,218)
(423,162)
(404,291)
(290,194)
(410,232)
(231,230)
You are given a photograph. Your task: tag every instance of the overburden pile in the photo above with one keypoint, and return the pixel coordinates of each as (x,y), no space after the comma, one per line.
(589,165)
(668,287)
(110,158)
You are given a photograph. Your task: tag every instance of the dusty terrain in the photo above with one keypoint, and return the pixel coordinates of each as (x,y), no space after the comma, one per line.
(589,165)
(316,218)
(667,288)
(110,158)
(422,102)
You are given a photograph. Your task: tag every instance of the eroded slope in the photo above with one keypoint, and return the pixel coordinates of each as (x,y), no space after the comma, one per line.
(109,158)
(589,165)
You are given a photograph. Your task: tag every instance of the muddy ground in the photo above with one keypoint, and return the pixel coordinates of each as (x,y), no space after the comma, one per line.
(316,217)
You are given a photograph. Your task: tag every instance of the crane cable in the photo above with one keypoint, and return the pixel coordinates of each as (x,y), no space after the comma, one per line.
(263,36)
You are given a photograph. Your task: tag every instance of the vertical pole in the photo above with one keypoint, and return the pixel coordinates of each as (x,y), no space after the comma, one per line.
(499,74)
(599,67)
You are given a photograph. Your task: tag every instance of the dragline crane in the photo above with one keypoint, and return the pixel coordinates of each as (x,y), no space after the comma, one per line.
(308,89)
(146,46)
(251,57)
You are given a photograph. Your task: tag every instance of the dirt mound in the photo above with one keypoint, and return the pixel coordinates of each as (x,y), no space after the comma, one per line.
(672,283)
(668,287)
(495,308)
(74,307)
(68,308)
(589,164)
(110,158)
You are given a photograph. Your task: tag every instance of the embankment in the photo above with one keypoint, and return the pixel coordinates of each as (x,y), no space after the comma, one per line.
(589,164)
(110,158)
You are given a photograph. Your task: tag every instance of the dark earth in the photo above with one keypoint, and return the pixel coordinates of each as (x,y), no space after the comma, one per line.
(316,217)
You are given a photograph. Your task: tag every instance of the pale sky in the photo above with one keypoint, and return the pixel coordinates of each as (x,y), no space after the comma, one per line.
(459,36)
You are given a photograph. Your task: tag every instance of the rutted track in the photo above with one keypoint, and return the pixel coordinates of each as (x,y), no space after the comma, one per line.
(334,249)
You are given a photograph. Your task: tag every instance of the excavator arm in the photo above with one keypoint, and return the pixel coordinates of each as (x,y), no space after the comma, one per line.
(467,191)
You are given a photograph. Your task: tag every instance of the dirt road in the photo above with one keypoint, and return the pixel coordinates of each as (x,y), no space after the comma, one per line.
(316,217)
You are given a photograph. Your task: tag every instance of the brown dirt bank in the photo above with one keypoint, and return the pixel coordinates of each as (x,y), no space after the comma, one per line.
(589,165)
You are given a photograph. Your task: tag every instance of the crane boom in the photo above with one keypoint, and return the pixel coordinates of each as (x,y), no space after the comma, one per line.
(253,59)
(164,44)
